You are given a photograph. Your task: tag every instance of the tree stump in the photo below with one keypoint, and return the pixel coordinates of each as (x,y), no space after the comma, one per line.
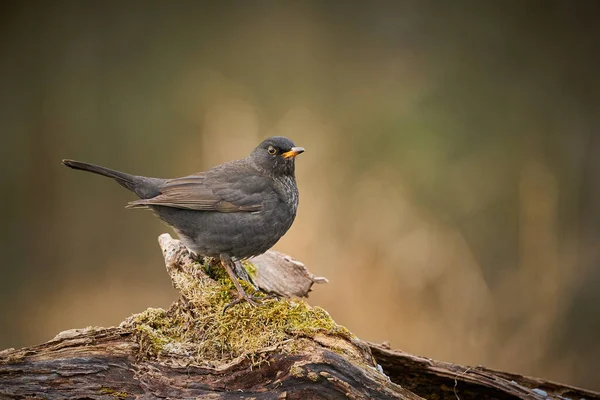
(282,349)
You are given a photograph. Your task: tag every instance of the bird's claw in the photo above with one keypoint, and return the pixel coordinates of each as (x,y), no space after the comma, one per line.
(243,296)
(241,293)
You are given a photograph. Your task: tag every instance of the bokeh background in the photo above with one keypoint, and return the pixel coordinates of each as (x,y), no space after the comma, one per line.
(450,190)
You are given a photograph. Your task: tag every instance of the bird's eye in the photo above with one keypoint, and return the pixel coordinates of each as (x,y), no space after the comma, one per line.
(272,150)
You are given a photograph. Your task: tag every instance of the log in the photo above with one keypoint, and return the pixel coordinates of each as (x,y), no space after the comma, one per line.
(433,379)
(282,349)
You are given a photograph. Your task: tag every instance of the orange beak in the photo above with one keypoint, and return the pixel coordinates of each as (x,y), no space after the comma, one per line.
(293,152)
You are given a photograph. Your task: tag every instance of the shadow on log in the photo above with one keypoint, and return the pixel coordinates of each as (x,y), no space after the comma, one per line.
(283,349)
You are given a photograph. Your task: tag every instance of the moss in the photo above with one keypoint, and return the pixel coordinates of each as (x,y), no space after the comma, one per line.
(297,371)
(203,333)
(250,268)
(313,376)
(114,393)
(16,358)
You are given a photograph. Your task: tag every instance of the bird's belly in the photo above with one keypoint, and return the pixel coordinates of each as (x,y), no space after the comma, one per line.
(238,235)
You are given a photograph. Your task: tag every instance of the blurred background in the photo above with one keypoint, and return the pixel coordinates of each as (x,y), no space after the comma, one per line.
(450,189)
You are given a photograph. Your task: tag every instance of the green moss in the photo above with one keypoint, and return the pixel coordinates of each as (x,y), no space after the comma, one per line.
(114,393)
(297,371)
(202,332)
(250,268)
(313,376)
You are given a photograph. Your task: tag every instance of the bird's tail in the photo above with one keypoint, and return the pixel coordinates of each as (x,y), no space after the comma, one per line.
(126,180)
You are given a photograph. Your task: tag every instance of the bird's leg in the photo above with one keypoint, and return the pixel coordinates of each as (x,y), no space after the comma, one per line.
(227,263)
(213,262)
(241,273)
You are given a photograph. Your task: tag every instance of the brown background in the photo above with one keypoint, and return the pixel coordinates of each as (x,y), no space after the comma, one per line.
(450,190)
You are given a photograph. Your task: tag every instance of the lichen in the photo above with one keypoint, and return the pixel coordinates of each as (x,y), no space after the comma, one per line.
(199,329)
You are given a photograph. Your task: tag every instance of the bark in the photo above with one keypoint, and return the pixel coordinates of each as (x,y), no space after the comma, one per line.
(103,364)
(109,363)
(433,379)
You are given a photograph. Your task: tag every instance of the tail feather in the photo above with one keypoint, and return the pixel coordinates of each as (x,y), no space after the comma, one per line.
(126,180)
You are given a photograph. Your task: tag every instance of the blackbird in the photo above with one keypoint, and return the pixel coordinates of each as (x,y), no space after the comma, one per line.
(233,211)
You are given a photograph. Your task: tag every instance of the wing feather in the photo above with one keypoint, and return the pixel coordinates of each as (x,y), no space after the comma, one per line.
(215,190)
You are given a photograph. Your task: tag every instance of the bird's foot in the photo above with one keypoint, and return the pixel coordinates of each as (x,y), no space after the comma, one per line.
(252,300)
(243,296)
(241,293)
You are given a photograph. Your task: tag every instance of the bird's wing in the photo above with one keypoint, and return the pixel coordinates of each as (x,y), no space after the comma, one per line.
(215,190)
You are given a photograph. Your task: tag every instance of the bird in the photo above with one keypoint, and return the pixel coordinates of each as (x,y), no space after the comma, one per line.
(231,212)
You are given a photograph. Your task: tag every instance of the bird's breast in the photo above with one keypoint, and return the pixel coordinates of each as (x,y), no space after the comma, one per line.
(288,193)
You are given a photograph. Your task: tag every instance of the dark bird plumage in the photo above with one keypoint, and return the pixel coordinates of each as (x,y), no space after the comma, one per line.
(235,210)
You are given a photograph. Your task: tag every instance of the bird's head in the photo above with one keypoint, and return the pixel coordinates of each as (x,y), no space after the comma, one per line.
(276,155)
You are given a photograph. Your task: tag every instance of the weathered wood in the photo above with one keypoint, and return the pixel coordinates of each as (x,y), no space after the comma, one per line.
(441,380)
(280,274)
(171,354)
(103,364)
